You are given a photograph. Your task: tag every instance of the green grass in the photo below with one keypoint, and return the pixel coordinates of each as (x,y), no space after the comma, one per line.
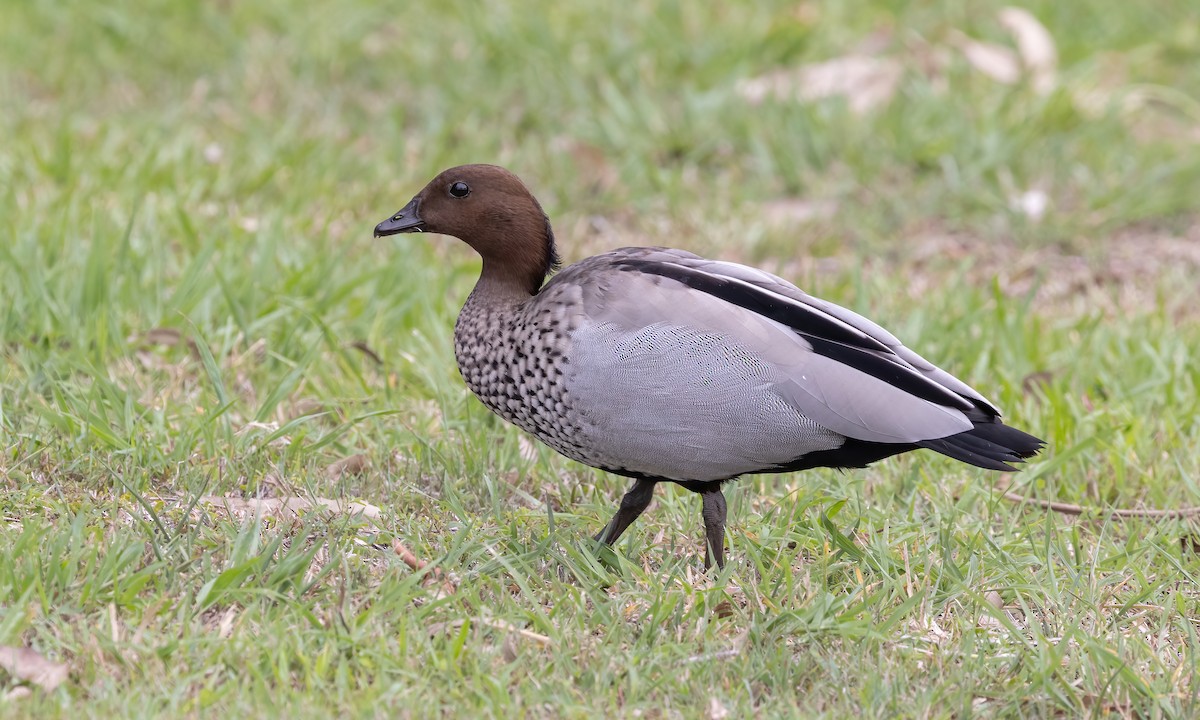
(188,282)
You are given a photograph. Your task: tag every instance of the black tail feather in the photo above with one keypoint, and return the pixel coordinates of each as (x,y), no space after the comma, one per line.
(991,445)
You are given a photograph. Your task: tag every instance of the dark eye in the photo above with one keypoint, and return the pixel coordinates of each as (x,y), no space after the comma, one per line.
(459,189)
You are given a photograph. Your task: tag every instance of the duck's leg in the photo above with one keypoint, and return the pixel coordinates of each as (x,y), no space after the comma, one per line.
(713,512)
(633,504)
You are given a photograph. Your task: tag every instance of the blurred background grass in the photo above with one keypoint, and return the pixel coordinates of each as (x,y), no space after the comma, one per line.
(193,305)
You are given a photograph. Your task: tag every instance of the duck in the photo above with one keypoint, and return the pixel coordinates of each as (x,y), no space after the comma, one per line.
(662,366)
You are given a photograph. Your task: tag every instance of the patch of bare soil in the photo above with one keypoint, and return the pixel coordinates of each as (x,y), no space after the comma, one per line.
(1134,270)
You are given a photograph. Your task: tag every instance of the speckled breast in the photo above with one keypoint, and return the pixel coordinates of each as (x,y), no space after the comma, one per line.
(515,362)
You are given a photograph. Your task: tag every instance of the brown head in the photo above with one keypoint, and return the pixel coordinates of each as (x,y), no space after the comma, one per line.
(491,210)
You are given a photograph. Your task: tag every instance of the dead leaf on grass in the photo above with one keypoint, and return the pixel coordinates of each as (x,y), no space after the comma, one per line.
(213,153)
(717,709)
(865,81)
(225,625)
(1037,381)
(306,406)
(289,506)
(1035,46)
(355,464)
(794,211)
(1033,204)
(17,693)
(31,666)
(528,450)
(509,650)
(927,630)
(167,337)
(591,163)
(996,61)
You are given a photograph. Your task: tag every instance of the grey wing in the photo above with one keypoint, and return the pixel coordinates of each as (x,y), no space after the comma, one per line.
(774,284)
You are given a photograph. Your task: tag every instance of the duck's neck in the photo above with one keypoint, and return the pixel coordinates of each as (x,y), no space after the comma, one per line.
(501,287)
(491,306)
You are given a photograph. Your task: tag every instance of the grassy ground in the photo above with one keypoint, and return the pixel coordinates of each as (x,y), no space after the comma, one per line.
(191,305)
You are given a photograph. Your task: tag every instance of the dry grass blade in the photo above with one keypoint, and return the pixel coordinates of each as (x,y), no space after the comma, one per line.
(365,349)
(32,667)
(520,632)
(738,646)
(289,506)
(495,624)
(1072,509)
(449,587)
